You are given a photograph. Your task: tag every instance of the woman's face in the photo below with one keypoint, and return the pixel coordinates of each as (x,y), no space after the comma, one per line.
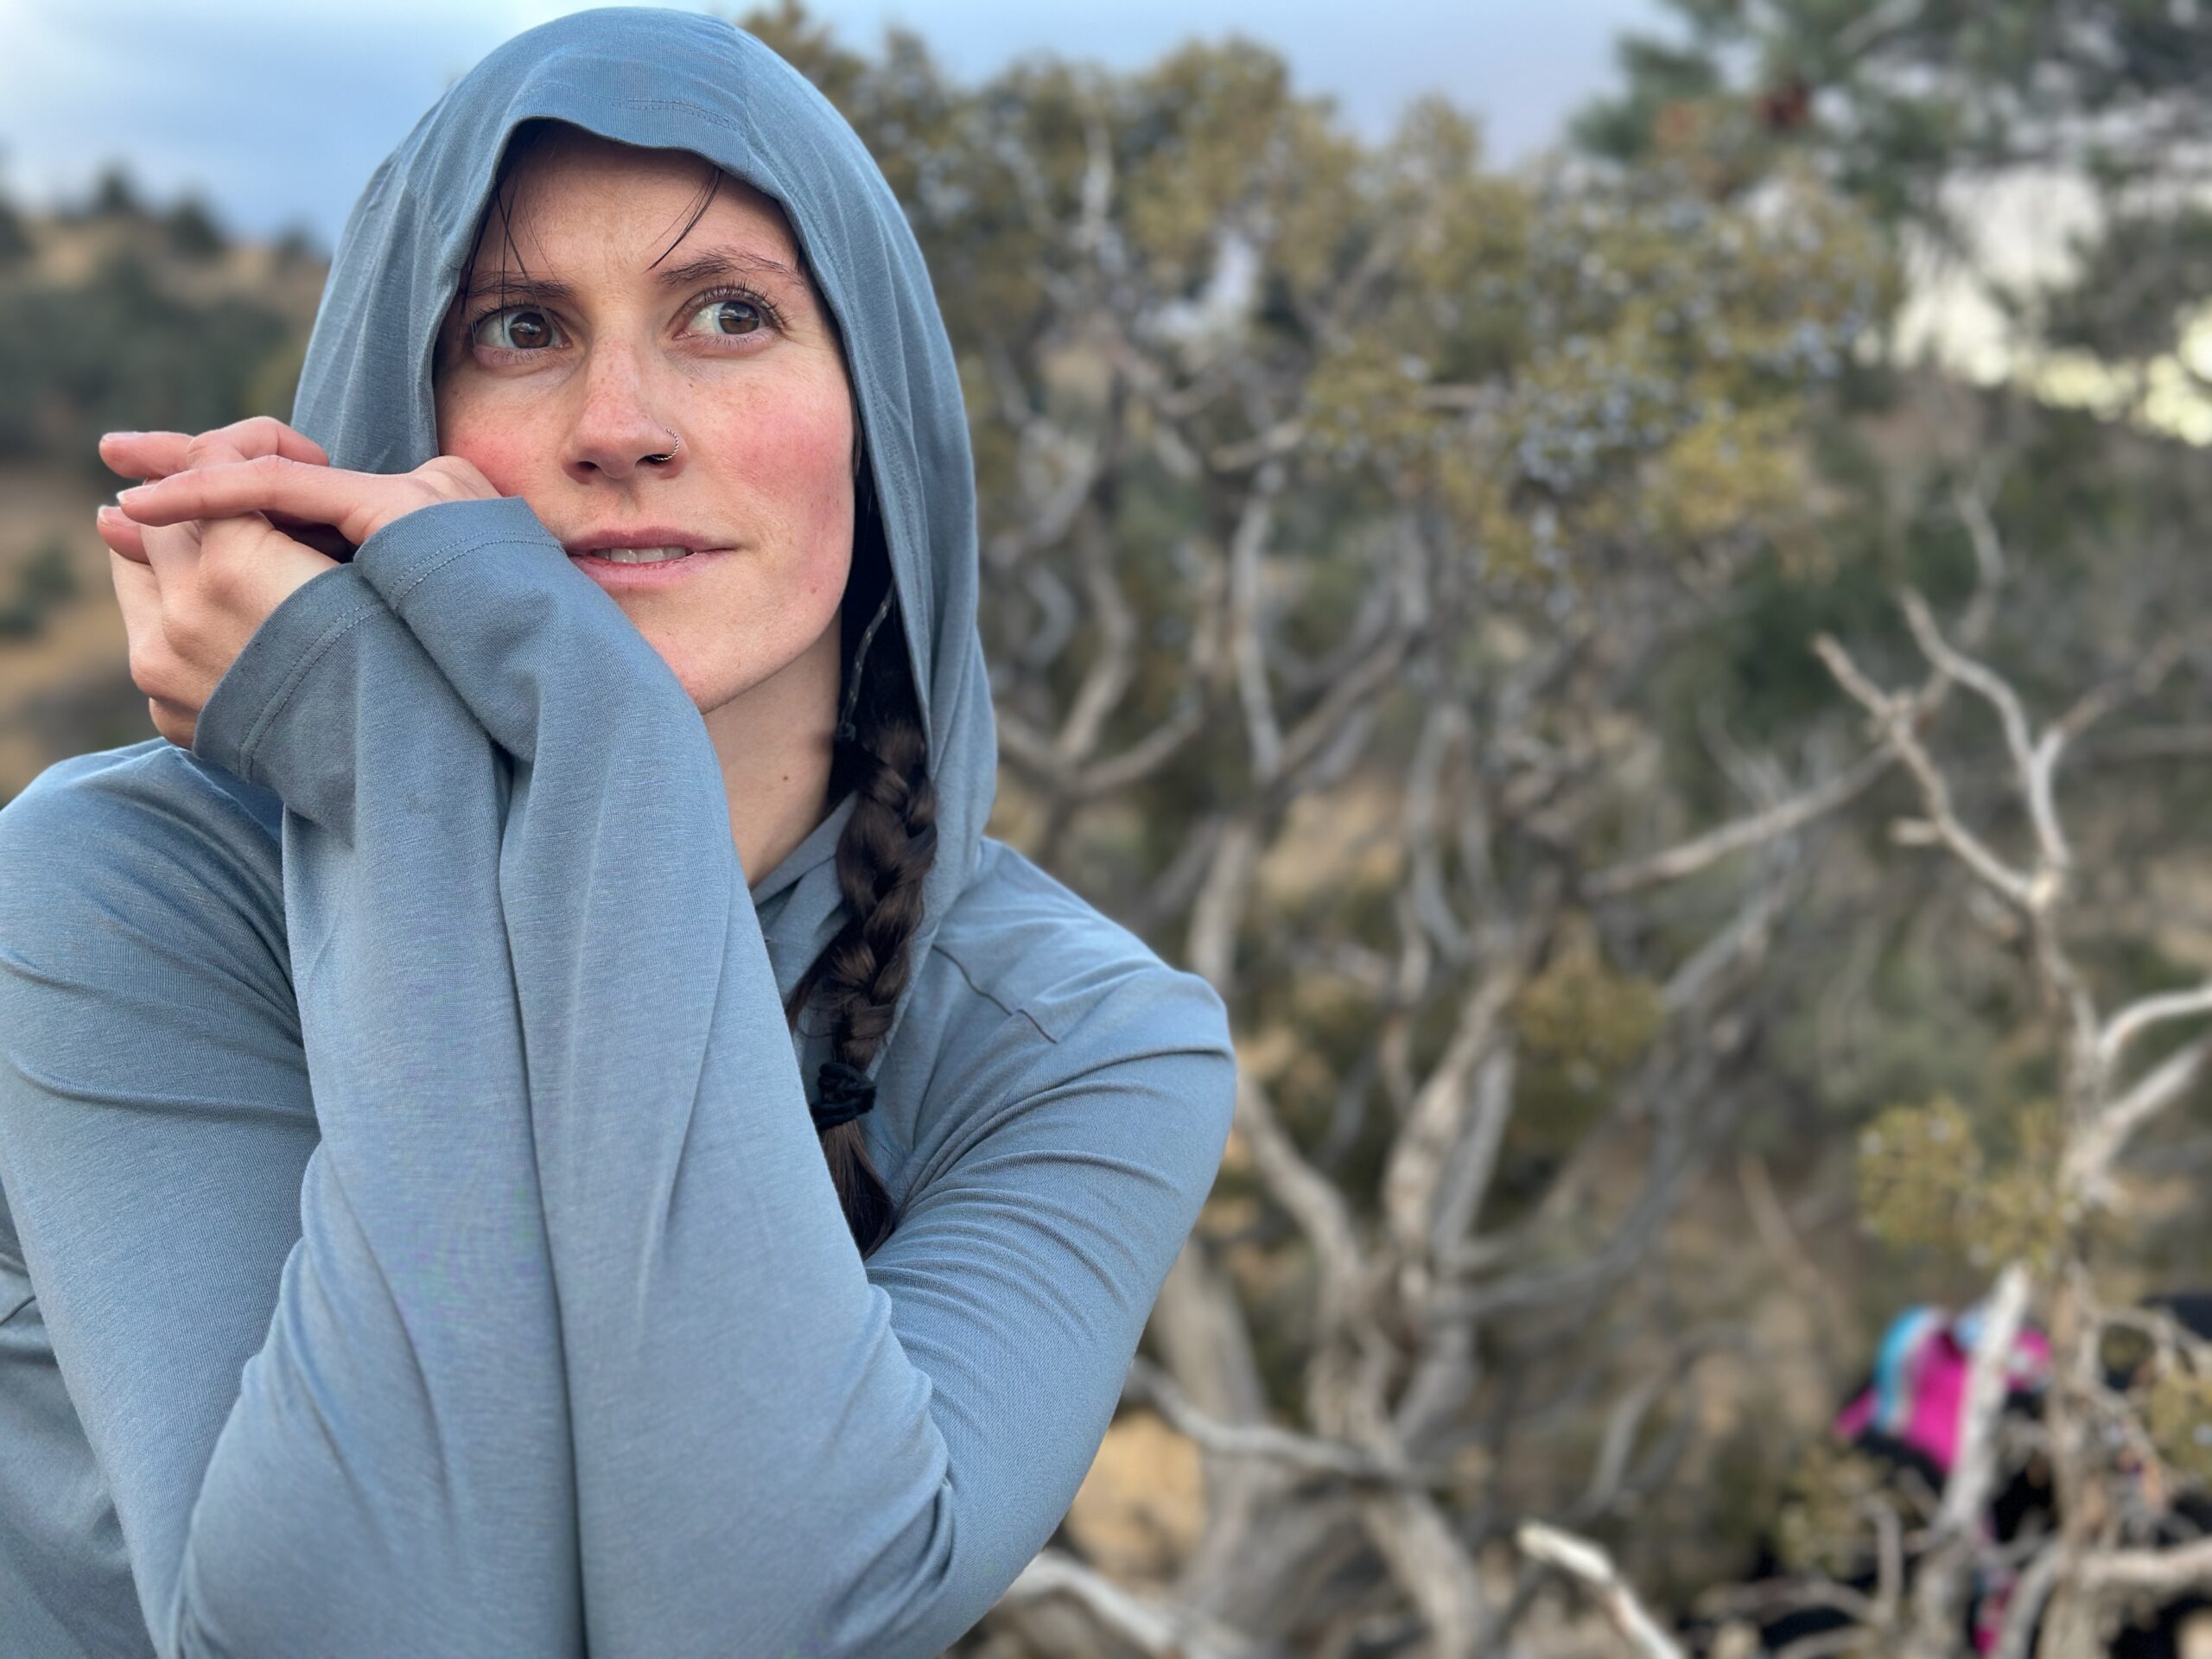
(561,386)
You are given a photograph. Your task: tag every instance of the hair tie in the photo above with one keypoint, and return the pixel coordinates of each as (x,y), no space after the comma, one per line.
(846,1091)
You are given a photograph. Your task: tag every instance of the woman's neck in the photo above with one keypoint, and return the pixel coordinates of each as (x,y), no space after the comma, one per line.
(775,743)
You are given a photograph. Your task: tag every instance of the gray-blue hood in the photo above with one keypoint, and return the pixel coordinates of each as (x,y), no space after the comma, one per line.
(671,79)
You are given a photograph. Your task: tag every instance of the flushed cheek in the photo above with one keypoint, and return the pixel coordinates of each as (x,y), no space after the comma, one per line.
(794,460)
(510,457)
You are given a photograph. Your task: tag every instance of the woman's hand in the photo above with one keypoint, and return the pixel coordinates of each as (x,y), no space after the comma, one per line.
(193,594)
(197,562)
(285,477)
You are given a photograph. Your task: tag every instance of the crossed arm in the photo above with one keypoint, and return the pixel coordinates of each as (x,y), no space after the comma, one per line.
(572,1347)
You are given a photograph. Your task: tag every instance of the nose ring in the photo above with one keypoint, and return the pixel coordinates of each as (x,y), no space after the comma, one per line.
(676,443)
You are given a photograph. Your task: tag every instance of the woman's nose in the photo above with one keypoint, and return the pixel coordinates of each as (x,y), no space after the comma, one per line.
(617,430)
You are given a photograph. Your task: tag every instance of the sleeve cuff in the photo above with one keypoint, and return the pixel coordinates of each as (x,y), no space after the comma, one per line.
(311,619)
(413,546)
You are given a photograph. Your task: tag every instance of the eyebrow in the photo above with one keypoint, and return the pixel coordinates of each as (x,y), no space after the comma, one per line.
(711,263)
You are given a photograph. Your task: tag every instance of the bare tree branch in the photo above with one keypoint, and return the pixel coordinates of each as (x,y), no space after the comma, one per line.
(2091,1156)
(1150,1385)
(1165,1633)
(2141,1015)
(1895,717)
(1756,827)
(2033,763)
(1583,1560)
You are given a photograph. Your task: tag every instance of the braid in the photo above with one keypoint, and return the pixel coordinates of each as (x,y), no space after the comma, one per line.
(884,852)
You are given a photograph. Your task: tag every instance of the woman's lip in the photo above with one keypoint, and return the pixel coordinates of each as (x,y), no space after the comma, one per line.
(667,573)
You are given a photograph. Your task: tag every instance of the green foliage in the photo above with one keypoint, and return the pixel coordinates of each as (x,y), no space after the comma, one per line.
(1578,1012)
(1823,1524)
(1664,395)
(1580,1025)
(114,195)
(126,349)
(1646,353)
(192,233)
(295,247)
(46,581)
(1917,1165)
(1889,103)
(1660,77)
(1927,1181)
(2142,281)
(1757,662)
(809,47)
(15,244)
(2177,1413)
(275,380)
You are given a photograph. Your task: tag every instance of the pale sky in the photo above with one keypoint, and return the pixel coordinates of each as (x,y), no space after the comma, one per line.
(277,111)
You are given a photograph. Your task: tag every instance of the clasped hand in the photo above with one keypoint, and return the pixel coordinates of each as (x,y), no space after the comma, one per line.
(223,530)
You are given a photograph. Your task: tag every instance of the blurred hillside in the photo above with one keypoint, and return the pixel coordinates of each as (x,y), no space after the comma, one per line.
(116,312)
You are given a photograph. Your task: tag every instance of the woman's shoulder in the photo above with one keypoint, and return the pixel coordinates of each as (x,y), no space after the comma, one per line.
(1041,1015)
(147,834)
(1033,947)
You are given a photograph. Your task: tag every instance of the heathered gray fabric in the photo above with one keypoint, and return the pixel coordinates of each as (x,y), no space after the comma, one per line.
(412,1237)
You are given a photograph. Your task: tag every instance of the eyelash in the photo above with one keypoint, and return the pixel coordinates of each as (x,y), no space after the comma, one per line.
(728,291)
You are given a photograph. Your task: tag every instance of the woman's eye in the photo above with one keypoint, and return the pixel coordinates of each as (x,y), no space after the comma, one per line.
(731,316)
(527,329)
(522,329)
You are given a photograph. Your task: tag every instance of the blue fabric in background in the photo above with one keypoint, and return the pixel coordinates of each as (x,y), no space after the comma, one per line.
(413,1239)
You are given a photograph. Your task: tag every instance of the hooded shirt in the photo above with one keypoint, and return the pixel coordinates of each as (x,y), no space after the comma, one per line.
(413,1236)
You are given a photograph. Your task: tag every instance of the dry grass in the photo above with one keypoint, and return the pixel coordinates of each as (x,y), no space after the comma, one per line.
(68,688)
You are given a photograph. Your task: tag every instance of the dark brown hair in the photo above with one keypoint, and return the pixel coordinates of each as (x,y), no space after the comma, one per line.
(890,840)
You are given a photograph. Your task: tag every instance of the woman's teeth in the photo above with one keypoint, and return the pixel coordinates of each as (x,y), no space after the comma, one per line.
(640,555)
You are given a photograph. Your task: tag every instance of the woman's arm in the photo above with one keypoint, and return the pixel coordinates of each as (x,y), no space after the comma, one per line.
(391,1471)
(779,1450)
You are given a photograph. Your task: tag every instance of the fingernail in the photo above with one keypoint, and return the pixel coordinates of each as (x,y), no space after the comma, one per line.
(124,496)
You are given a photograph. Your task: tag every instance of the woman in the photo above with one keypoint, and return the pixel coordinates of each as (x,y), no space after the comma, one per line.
(452,1203)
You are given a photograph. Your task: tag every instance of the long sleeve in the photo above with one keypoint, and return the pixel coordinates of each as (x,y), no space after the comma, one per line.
(780,1449)
(320,1377)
